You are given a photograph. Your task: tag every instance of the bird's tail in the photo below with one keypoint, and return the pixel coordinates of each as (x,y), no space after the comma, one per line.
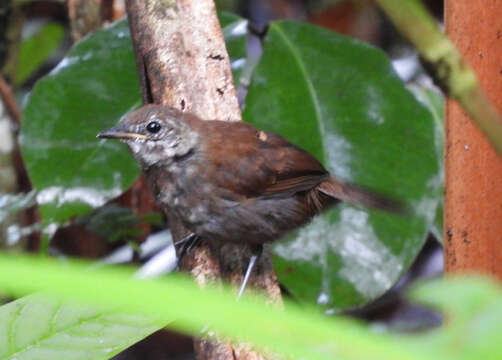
(359,196)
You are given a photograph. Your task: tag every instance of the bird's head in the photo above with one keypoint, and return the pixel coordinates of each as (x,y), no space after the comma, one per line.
(155,134)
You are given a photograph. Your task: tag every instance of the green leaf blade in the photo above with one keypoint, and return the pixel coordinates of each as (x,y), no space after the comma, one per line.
(341,100)
(72,170)
(309,334)
(40,327)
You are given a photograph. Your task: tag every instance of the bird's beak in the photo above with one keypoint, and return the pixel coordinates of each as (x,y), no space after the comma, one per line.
(118,133)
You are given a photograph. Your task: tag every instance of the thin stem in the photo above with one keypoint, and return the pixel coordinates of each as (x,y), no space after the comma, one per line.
(446,65)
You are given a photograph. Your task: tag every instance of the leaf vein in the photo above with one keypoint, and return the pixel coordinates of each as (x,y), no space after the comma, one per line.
(310,86)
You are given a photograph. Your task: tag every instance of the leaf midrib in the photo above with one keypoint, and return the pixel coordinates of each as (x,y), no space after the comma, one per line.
(310,86)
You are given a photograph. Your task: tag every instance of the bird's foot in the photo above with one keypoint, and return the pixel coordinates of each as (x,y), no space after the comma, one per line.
(256,253)
(187,244)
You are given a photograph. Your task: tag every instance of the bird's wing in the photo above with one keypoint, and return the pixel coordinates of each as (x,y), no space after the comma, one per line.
(259,164)
(256,164)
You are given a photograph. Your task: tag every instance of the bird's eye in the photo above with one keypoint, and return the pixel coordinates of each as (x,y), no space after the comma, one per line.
(153,127)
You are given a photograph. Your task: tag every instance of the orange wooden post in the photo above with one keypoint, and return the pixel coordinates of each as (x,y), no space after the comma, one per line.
(473,204)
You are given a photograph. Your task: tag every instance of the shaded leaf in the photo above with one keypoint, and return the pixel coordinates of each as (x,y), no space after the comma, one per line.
(115,222)
(341,100)
(88,91)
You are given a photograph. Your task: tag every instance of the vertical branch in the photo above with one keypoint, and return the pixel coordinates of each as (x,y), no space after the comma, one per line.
(446,64)
(182,62)
(185,60)
(473,210)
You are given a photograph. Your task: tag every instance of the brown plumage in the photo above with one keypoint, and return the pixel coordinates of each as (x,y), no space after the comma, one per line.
(228,181)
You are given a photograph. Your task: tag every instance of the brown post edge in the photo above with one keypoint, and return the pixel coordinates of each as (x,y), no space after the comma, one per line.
(182,62)
(473,199)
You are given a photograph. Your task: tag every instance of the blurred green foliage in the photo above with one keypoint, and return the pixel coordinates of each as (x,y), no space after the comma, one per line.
(36,49)
(472,307)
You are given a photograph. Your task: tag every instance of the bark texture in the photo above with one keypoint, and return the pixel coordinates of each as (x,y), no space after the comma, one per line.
(183,63)
(473,210)
(180,49)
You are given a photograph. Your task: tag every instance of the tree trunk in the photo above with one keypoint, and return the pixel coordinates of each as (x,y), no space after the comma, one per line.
(183,63)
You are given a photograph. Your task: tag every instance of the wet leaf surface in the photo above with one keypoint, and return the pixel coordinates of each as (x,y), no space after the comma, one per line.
(88,91)
(434,101)
(341,100)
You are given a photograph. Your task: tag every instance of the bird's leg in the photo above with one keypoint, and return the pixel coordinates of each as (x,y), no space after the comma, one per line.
(256,253)
(188,243)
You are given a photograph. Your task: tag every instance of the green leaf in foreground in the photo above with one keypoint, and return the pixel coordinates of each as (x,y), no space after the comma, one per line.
(92,87)
(341,100)
(473,313)
(41,327)
(292,332)
(472,329)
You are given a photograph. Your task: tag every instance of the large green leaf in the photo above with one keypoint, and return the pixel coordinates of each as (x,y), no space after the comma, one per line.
(40,327)
(92,87)
(88,91)
(472,328)
(340,100)
(293,332)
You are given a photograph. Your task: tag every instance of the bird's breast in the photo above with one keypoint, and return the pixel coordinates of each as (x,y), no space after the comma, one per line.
(184,189)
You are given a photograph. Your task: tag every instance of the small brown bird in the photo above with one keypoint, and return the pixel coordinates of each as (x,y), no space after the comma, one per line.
(228,181)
